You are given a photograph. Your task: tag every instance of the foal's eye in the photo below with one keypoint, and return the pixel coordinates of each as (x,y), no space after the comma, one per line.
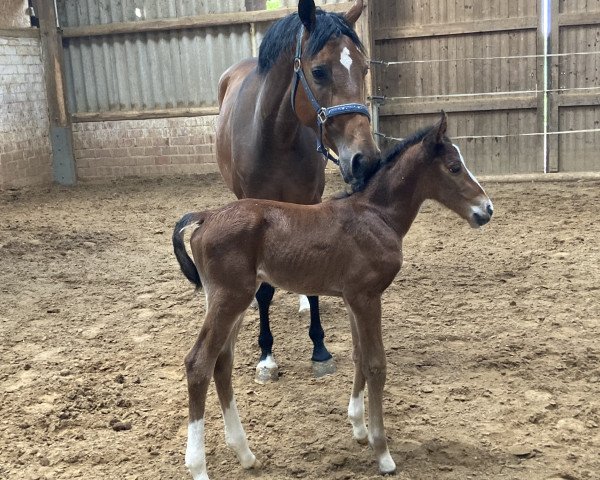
(319,74)
(456,168)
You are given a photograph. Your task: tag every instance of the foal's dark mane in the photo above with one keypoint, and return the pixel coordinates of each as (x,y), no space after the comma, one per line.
(281,37)
(387,160)
(398,150)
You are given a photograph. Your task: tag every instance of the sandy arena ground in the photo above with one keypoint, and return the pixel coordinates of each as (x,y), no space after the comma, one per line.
(492,339)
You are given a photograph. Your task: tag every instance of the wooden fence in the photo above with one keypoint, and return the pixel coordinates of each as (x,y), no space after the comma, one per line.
(483,62)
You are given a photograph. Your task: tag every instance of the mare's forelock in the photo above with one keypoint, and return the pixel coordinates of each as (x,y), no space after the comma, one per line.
(281,37)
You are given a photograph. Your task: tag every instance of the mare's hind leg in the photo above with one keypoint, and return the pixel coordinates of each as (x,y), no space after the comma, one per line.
(323,363)
(266,370)
(200,363)
(235,436)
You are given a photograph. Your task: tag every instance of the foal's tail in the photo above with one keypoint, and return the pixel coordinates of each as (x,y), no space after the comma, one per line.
(185,262)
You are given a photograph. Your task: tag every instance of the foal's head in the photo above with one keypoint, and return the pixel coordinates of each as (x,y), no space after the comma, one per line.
(449,181)
(334,65)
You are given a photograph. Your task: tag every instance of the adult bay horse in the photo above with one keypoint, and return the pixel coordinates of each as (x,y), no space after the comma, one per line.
(349,247)
(304,89)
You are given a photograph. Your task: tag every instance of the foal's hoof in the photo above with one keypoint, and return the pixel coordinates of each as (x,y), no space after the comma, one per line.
(266,374)
(320,369)
(362,441)
(257,465)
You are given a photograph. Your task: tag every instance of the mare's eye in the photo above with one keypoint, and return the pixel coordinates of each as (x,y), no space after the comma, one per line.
(455,168)
(319,74)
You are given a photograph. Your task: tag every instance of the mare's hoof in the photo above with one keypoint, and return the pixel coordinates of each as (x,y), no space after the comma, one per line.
(266,374)
(254,304)
(320,369)
(362,441)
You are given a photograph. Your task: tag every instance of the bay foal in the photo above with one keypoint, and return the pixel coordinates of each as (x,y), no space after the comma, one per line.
(349,247)
(305,89)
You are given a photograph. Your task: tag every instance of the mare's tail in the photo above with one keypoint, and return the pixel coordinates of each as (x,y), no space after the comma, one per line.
(185,262)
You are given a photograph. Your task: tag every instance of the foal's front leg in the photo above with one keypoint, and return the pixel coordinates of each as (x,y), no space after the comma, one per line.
(356,406)
(366,312)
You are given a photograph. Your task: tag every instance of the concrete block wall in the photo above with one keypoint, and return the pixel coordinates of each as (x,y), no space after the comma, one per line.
(25,154)
(169,146)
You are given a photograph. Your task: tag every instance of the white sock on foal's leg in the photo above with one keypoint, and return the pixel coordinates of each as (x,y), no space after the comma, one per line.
(195,457)
(384,460)
(356,415)
(304,304)
(235,436)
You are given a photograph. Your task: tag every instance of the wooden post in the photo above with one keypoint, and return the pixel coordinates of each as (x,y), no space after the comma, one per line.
(61,135)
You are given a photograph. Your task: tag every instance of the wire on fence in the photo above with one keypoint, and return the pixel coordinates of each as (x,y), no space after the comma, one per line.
(483,94)
(466,59)
(508,135)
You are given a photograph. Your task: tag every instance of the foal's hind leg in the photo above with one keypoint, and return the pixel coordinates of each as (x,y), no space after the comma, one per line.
(200,365)
(266,370)
(323,363)
(235,437)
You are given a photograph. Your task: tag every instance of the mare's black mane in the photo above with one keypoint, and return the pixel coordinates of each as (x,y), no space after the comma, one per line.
(281,37)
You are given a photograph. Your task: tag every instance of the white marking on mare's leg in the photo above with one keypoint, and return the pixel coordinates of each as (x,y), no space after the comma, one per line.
(235,436)
(345,59)
(267,371)
(356,415)
(304,303)
(195,457)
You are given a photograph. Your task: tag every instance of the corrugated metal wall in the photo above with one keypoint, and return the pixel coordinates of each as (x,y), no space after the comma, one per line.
(148,71)
(433,29)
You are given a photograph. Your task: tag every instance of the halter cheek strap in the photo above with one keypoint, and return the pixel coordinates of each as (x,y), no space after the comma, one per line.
(323,113)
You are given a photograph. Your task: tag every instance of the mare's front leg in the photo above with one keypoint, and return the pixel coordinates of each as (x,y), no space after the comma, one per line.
(267,369)
(366,314)
(322,361)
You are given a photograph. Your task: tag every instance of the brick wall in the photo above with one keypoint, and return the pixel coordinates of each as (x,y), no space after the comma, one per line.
(169,146)
(25,156)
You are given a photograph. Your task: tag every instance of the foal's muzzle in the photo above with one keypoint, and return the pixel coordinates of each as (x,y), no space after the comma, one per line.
(482,214)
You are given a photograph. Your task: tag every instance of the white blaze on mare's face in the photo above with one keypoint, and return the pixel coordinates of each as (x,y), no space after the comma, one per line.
(195,457)
(345,59)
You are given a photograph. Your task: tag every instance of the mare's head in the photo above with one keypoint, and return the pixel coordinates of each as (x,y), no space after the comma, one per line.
(334,65)
(440,174)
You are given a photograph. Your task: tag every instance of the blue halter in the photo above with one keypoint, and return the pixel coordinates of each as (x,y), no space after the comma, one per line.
(323,113)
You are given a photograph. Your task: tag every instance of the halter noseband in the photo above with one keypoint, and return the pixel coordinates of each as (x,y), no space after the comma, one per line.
(323,113)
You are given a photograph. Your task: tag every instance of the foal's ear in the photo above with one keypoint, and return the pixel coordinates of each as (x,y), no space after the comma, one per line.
(307,14)
(436,136)
(354,13)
